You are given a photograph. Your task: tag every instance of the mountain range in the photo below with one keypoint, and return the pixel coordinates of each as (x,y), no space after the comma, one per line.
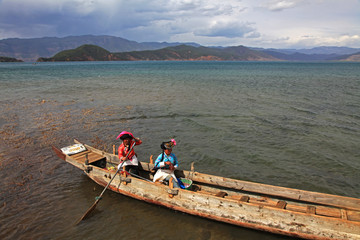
(123,49)
(177,53)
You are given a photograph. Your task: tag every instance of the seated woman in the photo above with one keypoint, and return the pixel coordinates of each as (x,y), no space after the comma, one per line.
(166,163)
(131,163)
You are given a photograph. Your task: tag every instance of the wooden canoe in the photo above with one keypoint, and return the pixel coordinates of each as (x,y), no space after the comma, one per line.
(279,210)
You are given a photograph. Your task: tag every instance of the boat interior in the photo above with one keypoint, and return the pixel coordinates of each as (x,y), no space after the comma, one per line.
(204,185)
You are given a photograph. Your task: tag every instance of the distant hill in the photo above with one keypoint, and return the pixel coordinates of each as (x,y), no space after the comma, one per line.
(244,53)
(83,53)
(180,53)
(313,54)
(184,52)
(9,59)
(328,50)
(296,56)
(324,50)
(33,48)
(350,58)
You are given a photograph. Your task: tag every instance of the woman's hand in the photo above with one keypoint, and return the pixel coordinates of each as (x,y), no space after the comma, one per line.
(171,166)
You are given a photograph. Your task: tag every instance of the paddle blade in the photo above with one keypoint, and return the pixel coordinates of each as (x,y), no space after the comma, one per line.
(88,211)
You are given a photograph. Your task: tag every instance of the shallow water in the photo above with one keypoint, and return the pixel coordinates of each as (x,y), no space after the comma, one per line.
(288,124)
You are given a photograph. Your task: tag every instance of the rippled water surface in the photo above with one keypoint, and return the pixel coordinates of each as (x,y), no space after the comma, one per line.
(289,124)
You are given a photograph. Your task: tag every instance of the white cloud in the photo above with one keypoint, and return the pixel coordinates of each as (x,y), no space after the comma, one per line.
(342,40)
(279,5)
(230,29)
(262,23)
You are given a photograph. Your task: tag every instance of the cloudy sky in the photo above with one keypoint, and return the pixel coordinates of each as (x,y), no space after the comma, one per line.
(253,23)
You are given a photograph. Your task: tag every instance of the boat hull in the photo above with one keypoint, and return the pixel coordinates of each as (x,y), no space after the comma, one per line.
(232,207)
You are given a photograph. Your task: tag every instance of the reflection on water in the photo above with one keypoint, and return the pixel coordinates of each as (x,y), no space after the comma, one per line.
(294,125)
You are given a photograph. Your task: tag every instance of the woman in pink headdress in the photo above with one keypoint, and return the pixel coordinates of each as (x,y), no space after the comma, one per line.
(130,162)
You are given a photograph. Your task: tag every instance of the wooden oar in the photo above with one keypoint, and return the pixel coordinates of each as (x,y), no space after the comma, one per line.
(140,177)
(97,199)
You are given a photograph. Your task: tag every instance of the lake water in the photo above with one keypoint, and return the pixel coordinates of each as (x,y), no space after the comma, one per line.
(282,123)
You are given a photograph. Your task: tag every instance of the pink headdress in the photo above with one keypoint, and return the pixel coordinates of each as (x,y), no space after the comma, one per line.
(123,133)
(168,145)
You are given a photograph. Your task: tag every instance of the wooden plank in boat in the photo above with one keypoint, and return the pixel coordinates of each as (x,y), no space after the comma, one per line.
(77,155)
(90,156)
(296,208)
(328,211)
(353,215)
(320,210)
(276,191)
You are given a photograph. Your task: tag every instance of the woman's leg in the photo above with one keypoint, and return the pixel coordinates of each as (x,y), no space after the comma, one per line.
(175,183)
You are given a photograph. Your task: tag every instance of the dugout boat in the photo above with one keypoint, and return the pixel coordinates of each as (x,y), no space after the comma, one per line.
(279,210)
